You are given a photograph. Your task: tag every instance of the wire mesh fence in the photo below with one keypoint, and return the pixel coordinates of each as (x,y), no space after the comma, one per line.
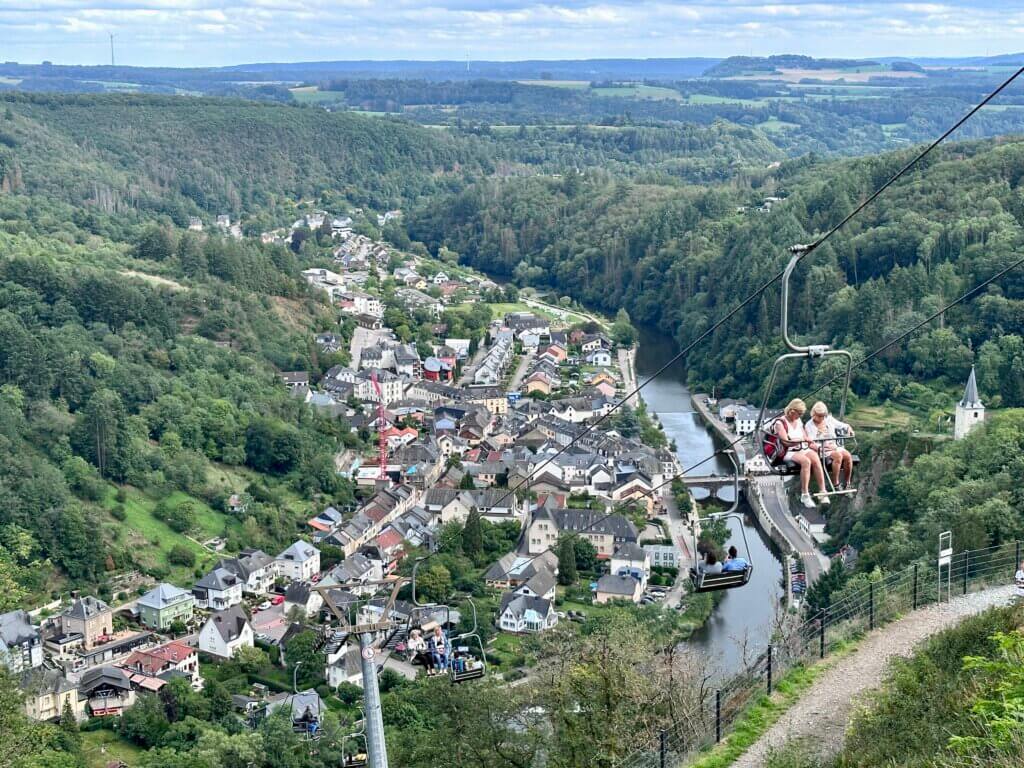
(713,717)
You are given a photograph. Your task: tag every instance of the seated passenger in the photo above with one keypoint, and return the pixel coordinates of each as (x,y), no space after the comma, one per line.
(790,430)
(417,648)
(734,562)
(440,652)
(825,428)
(710,564)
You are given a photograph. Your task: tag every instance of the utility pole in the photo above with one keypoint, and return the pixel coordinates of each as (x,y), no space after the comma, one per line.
(111,49)
(373,714)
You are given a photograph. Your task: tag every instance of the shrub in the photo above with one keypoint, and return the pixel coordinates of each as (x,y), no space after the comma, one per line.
(118,513)
(181,555)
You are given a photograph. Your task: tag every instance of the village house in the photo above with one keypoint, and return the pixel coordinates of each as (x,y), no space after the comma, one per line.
(522,614)
(164,605)
(106,691)
(631,560)
(254,568)
(301,596)
(90,618)
(295,379)
(512,570)
(21,645)
(225,632)
(218,590)
(300,562)
(606,532)
(165,661)
(611,587)
(46,692)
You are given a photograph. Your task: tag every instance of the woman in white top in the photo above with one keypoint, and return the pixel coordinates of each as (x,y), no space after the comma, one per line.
(790,430)
(825,428)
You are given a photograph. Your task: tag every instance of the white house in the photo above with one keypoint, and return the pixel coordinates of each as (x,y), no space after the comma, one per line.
(225,632)
(300,562)
(21,646)
(254,568)
(218,590)
(599,357)
(521,613)
(302,596)
(631,560)
(745,420)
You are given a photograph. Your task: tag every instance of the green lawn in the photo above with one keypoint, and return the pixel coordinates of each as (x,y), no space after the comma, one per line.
(639,91)
(773,125)
(576,85)
(310,94)
(878,417)
(101,747)
(152,539)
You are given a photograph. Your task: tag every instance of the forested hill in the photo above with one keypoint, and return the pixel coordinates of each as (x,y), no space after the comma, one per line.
(185,156)
(680,258)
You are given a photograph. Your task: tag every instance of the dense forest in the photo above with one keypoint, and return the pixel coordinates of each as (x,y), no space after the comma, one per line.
(680,257)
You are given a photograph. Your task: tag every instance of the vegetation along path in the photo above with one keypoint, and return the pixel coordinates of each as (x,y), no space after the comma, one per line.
(821,715)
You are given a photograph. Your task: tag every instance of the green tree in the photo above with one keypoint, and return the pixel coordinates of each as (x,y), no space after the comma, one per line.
(567,573)
(302,654)
(466,483)
(156,244)
(145,722)
(472,534)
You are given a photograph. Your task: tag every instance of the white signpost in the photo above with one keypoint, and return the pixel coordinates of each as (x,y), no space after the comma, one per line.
(946,560)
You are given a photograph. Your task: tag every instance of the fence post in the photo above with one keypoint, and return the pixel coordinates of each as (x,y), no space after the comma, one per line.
(769,669)
(915,586)
(663,747)
(718,715)
(967,564)
(821,635)
(871,605)
(1016,558)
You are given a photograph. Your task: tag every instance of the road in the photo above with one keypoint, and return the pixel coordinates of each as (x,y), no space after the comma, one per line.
(520,374)
(679,533)
(776,501)
(469,368)
(626,358)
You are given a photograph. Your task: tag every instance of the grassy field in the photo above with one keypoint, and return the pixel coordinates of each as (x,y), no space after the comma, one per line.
(639,91)
(576,85)
(878,417)
(152,539)
(708,98)
(773,125)
(309,94)
(102,747)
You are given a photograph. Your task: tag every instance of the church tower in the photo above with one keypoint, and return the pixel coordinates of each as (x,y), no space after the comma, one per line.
(969,411)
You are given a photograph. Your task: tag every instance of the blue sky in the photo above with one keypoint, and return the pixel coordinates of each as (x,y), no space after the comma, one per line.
(203,32)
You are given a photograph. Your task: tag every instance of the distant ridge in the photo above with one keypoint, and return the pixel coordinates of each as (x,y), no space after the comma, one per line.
(737,65)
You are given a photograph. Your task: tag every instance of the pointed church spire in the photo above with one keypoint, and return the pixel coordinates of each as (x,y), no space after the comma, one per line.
(970,398)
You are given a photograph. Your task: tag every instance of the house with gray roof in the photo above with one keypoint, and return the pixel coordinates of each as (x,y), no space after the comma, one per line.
(254,568)
(300,562)
(522,614)
(614,587)
(165,604)
(218,590)
(21,645)
(225,632)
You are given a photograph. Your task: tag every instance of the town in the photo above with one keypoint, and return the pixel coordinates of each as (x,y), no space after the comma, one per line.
(479,431)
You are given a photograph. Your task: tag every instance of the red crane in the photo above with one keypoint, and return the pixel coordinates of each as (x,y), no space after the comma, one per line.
(382,443)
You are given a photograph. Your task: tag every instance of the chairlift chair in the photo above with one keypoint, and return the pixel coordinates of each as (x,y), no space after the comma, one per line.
(772,447)
(702,581)
(356,759)
(464,663)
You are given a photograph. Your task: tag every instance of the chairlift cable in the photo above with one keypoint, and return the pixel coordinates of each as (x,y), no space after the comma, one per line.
(804,250)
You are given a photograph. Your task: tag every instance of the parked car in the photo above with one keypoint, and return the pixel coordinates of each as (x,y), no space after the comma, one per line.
(262,637)
(265,605)
(277,599)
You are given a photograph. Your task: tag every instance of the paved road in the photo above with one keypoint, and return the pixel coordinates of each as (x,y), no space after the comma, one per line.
(520,374)
(469,368)
(776,502)
(819,719)
(680,537)
(626,360)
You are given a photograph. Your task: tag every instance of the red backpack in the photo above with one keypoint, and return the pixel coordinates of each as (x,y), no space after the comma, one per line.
(772,444)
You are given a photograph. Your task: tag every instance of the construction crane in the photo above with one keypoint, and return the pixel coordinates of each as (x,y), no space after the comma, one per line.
(382,444)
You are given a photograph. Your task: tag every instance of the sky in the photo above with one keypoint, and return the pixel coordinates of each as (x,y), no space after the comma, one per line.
(208,33)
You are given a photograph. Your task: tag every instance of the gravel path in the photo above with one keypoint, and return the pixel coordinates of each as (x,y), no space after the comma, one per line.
(821,715)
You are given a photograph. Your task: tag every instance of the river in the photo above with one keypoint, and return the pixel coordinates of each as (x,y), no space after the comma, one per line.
(743,614)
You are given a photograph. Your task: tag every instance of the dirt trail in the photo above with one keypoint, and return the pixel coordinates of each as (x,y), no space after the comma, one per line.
(821,715)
